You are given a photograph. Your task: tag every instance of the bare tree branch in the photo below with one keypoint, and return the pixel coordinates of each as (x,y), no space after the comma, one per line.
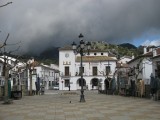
(14,50)
(6,4)
(6,39)
(14,43)
(4,44)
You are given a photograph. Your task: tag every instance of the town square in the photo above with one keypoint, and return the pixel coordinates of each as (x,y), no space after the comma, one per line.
(79,60)
(56,105)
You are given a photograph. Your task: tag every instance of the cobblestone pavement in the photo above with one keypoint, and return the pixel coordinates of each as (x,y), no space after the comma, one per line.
(55,105)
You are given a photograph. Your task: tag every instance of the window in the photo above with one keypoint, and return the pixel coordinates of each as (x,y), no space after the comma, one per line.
(53,83)
(66,71)
(101,53)
(80,70)
(108,69)
(95,53)
(94,70)
(49,83)
(66,83)
(14,81)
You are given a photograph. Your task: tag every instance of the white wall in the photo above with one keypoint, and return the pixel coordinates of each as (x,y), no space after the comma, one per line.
(124,60)
(146,67)
(154,64)
(66,61)
(46,73)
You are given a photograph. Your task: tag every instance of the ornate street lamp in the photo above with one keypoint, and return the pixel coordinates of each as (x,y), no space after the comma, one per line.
(82,49)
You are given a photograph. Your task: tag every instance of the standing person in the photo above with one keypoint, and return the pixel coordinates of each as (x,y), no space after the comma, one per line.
(132,87)
(92,86)
(153,85)
(69,87)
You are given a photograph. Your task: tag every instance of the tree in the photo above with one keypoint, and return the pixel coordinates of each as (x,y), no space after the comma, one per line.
(6,66)
(137,70)
(29,66)
(5,4)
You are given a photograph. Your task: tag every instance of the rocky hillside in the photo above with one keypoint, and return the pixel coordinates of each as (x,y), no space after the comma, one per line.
(51,55)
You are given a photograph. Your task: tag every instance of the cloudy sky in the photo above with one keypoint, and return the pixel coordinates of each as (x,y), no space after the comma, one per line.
(39,24)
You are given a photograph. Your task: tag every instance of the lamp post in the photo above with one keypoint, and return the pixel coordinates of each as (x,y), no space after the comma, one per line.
(82,49)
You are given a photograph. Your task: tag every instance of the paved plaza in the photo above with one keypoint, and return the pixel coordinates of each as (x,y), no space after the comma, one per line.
(65,105)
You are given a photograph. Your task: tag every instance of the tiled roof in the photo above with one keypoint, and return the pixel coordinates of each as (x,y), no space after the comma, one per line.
(94,58)
(148,54)
(35,63)
(126,57)
(111,55)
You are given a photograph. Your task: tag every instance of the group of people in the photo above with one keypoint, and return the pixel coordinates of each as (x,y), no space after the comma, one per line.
(139,87)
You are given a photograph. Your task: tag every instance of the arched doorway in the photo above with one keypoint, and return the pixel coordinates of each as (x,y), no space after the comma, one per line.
(94,83)
(79,83)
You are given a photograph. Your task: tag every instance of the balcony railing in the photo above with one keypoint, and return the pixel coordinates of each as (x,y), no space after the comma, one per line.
(90,74)
(65,75)
(84,74)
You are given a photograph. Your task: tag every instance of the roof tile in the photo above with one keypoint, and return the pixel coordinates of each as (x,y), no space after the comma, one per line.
(94,58)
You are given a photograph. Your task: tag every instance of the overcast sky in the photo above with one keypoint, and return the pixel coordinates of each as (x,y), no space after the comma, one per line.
(39,24)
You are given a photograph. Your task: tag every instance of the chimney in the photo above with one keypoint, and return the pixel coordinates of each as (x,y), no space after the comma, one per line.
(154,52)
(144,49)
(132,56)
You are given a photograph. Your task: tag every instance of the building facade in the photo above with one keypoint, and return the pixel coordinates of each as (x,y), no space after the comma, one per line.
(98,68)
(142,66)
(156,63)
(49,76)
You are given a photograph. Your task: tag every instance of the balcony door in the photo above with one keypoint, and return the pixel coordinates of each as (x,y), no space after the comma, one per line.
(94,71)
(66,70)
(108,70)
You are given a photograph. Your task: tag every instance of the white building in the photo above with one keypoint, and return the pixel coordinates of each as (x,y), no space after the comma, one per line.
(95,67)
(2,79)
(141,66)
(11,62)
(125,59)
(156,62)
(49,75)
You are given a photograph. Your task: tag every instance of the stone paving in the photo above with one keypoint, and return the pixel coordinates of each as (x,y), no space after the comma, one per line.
(55,105)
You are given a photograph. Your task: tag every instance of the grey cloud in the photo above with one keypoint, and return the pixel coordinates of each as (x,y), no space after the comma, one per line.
(43,23)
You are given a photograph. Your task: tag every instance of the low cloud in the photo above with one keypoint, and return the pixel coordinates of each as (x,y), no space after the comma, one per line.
(153,42)
(44,23)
